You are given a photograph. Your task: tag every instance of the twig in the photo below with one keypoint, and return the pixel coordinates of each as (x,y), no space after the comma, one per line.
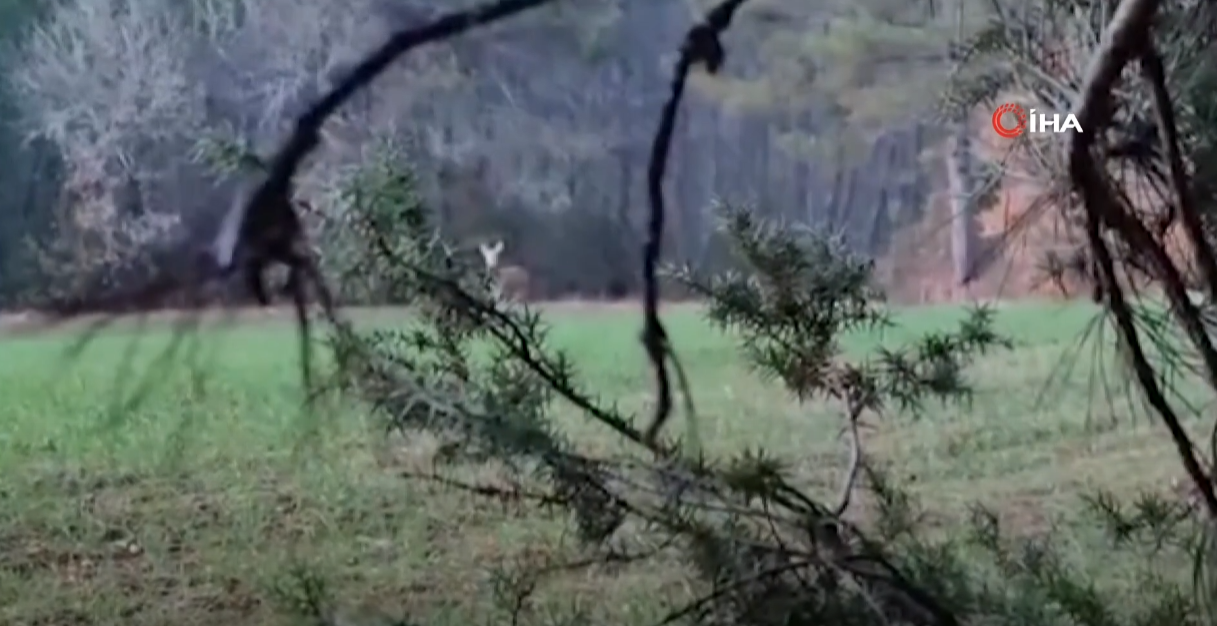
(701,45)
(855,461)
(508,334)
(306,136)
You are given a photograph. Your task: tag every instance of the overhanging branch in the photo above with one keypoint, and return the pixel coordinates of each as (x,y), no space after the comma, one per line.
(1128,36)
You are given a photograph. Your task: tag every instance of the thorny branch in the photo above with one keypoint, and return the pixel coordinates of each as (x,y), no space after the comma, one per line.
(651,486)
(1128,37)
(508,334)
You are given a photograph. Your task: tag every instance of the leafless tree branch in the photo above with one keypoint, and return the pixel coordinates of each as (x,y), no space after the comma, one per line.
(1127,38)
(701,45)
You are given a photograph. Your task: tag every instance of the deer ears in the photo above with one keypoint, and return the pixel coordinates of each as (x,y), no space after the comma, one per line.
(491,252)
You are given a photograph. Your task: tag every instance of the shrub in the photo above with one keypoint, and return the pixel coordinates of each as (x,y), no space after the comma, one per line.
(762,550)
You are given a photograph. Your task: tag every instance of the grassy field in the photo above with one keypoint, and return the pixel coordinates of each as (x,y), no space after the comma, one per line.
(198,506)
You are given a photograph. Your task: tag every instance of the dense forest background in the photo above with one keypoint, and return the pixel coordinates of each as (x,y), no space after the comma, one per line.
(535,134)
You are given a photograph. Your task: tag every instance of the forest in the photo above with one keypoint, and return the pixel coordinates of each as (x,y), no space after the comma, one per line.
(114,114)
(732,312)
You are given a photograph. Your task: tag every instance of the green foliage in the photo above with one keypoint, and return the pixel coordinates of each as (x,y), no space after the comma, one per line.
(751,536)
(480,408)
(381,193)
(226,154)
(763,550)
(800,292)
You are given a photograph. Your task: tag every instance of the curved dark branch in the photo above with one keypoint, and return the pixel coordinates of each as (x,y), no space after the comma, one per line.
(267,229)
(1127,38)
(701,45)
(268,213)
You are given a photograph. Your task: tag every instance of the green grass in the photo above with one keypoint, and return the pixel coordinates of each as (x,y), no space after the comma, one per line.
(197,506)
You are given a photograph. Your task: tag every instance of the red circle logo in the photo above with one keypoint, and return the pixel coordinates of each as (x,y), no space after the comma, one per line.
(1020,120)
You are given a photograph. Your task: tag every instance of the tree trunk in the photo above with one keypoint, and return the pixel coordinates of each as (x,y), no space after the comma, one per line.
(964,237)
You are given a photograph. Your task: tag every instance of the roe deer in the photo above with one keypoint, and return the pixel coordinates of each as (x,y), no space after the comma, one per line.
(511,281)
